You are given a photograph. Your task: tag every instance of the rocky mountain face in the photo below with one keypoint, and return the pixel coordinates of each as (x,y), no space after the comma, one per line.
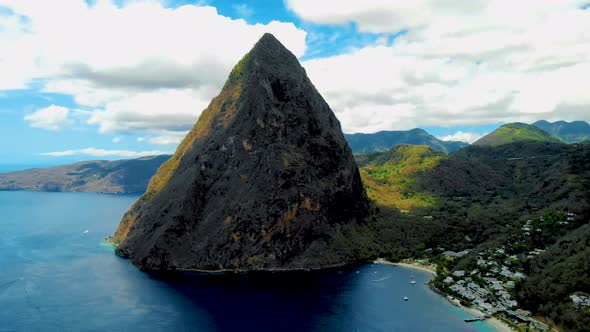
(385,140)
(264,181)
(569,132)
(515,132)
(100,176)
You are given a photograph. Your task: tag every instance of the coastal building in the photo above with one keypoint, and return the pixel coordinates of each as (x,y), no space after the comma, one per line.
(497,286)
(580,299)
(459,273)
(501,269)
(518,317)
(456,254)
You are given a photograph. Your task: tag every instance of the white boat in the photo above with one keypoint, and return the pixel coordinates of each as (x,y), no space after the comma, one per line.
(413,282)
(405,298)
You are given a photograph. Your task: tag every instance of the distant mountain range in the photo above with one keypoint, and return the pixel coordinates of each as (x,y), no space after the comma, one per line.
(568,132)
(515,132)
(544,131)
(132,176)
(120,176)
(385,140)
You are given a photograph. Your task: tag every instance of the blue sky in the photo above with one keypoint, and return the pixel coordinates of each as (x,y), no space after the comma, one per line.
(110,80)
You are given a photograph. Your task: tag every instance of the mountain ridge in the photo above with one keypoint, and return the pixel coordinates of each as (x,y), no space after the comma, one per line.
(124,176)
(568,132)
(515,132)
(385,140)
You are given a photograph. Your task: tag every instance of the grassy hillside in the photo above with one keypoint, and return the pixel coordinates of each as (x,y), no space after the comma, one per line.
(120,176)
(385,140)
(515,132)
(389,177)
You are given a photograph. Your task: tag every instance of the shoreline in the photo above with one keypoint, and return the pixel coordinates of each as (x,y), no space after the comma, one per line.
(415,266)
(493,322)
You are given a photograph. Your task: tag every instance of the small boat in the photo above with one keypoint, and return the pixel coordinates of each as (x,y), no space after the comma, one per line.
(405,298)
(477,319)
(413,282)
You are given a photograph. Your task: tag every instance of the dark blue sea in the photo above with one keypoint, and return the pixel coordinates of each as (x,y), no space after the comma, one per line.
(56,275)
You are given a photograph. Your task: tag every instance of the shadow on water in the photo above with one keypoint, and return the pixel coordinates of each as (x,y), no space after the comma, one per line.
(264,301)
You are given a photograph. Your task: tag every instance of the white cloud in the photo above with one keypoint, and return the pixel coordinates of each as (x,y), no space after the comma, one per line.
(120,60)
(116,139)
(394,15)
(168,137)
(457,63)
(93,152)
(167,109)
(370,15)
(50,118)
(147,69)
(468,137)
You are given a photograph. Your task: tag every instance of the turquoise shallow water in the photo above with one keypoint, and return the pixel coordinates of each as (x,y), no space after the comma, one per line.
(56,276)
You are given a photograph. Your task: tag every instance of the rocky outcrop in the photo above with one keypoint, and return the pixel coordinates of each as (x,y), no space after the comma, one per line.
(264,181)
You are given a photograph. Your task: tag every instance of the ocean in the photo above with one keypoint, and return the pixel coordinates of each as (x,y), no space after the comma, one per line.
(56,275)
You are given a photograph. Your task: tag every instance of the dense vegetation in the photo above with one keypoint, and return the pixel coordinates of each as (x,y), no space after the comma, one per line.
(557,273)
(385,140)
(483,198)
(389,177)
(515,132)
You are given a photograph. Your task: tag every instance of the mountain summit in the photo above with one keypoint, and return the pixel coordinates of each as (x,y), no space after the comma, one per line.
(515,132)
(264,181)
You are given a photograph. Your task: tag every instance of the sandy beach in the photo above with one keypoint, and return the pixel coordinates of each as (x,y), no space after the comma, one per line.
(494,322)
(426,268)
